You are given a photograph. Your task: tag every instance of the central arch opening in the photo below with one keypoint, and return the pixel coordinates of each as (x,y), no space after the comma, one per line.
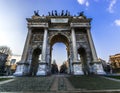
(59,56)
(83,58)
(59,52)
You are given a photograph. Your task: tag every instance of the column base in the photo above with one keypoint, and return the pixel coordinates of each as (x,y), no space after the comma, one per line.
(22,69)
(98,68)
(42,69)
(77,68)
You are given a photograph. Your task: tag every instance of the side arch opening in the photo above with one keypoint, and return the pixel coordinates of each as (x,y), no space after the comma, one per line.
(82,56)
(36,57)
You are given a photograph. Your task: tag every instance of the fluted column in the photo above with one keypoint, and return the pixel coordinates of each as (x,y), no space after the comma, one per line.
(26,46)
(22,66)
(43,65)
(94,55)
(74,45)
(44,47)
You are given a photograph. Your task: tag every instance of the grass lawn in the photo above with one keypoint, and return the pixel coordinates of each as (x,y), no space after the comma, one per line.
(116,77)
(28,84)
(2,79)
(93,83)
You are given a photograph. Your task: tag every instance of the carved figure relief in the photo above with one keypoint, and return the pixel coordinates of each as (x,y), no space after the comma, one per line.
(38,37)
(80,37)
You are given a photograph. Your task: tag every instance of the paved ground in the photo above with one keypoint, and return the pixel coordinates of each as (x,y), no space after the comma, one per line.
(51,84)
(6,81)
(61,83)
(29,84)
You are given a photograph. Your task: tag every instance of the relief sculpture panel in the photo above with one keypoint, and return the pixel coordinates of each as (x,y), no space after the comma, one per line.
(38,37)
(80,37)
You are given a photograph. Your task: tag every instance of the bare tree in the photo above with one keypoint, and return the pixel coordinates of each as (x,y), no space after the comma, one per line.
(63,68)
(54,68)
(5,54)
(5,50)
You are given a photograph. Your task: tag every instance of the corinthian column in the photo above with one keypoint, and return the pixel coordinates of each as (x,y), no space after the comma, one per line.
(42,69)
(22,66)
(74,45)
(94,55)
(77,66)
(26,46)
(44,47)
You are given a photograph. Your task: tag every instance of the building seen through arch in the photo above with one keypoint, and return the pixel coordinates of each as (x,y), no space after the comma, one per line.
(45,31)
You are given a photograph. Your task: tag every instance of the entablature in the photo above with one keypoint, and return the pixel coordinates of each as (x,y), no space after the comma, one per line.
(80,25)
(59,29)
(44,25)
(54,22)
(59,20)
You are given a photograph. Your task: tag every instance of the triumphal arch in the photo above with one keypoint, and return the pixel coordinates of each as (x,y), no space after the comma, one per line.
(45,31)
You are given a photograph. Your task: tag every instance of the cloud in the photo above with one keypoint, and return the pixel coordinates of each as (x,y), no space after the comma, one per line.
(111,5)
(117,22)
(83,2)
(87,3)
(96,0)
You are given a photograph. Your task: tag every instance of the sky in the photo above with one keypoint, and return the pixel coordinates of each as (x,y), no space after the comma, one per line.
(59,53)
(105,26)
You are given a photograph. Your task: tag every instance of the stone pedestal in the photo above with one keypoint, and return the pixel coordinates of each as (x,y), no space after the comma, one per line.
(22,69)
(42,69)
(77,68)
(98,68)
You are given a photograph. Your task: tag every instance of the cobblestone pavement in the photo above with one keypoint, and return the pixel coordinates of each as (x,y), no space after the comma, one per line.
(28,84)
(49,84)
(37,84)
(61,83)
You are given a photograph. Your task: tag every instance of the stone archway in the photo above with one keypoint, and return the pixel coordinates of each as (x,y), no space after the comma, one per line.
(35,61)
(45,31)
(60,38)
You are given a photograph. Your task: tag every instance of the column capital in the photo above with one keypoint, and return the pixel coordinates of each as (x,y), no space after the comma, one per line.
(45,27)
(88,28)
(72,28)
(29,27)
